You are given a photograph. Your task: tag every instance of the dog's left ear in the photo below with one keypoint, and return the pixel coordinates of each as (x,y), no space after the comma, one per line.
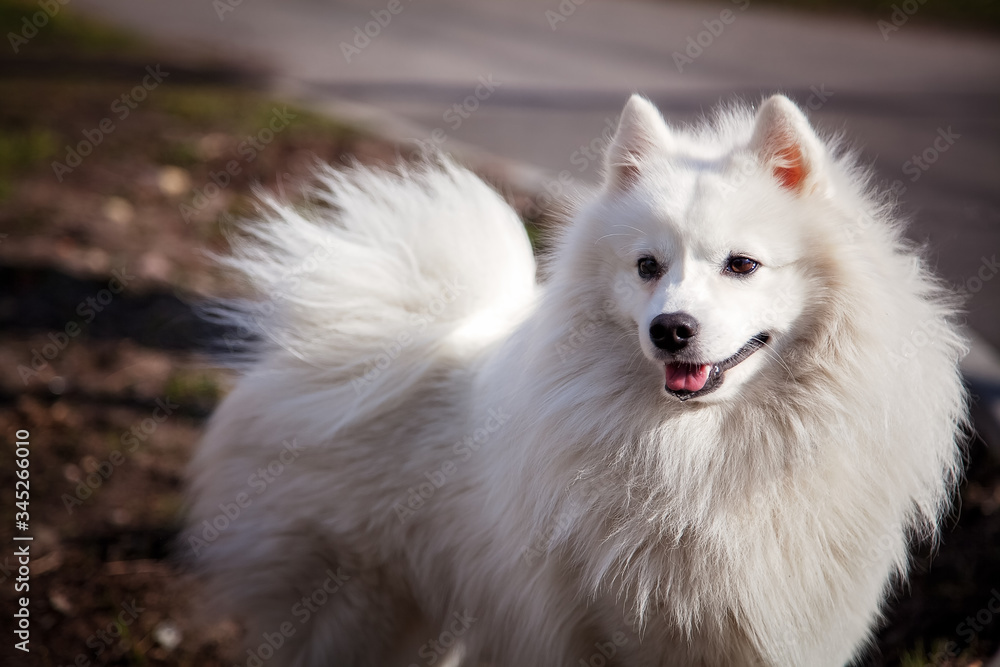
(641,130)
(786,143)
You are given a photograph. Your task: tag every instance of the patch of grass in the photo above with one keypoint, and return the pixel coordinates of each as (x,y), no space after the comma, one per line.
(307,121)
(179,153)
(20,150)
(39,118)
(943,653)
(206,106)
(237,112)
(234,111)
(61,32)
(193,386)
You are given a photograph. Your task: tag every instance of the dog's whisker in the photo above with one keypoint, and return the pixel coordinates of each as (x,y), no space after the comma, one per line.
(768,349)
(607,236)
(630,227)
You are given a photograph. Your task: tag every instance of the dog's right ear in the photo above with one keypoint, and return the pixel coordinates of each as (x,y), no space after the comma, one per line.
(641,130)
(787,145)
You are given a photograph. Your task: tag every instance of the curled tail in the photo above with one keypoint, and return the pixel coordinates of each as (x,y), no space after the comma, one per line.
(380,272)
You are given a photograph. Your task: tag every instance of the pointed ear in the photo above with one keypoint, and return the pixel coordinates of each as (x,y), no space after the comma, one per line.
(641,130)
(786,143)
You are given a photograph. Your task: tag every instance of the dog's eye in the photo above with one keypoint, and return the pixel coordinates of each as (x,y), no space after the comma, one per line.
(648,268)
(741,266)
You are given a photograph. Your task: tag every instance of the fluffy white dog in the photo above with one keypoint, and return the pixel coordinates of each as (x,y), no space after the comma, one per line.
(707,437)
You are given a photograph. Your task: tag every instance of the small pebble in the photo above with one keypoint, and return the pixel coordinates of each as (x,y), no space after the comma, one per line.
(168,635)
(173,181)
(118,211)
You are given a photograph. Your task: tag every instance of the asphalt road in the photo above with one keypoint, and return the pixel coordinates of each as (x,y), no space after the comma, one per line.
(539,82)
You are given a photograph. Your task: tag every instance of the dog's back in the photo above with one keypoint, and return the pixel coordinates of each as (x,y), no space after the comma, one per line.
(379,296)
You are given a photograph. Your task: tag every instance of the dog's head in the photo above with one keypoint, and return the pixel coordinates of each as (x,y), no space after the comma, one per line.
(707,238)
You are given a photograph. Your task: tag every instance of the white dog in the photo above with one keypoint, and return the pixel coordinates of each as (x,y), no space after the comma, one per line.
(707,437)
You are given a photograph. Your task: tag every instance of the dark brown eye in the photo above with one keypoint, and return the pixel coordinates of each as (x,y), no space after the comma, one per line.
(648,267)
(741,266)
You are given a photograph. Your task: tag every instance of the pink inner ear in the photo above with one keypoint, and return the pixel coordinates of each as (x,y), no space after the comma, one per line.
(789,167)
(626,175)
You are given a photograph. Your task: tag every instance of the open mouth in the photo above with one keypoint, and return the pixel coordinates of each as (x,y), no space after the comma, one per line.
(688,380)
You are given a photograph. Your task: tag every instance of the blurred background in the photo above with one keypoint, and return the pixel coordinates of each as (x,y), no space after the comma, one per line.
(132,134)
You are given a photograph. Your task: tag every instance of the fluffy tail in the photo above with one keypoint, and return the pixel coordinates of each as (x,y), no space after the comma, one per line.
(379,265)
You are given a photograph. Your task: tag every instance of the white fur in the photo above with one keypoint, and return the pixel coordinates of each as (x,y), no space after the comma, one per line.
(574,508)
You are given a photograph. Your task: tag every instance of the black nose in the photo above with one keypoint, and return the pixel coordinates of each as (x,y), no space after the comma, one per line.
(672,331)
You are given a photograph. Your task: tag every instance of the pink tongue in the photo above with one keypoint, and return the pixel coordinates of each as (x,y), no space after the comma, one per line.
(685,377)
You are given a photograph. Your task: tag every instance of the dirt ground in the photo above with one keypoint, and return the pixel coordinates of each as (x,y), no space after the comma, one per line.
(103,259)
